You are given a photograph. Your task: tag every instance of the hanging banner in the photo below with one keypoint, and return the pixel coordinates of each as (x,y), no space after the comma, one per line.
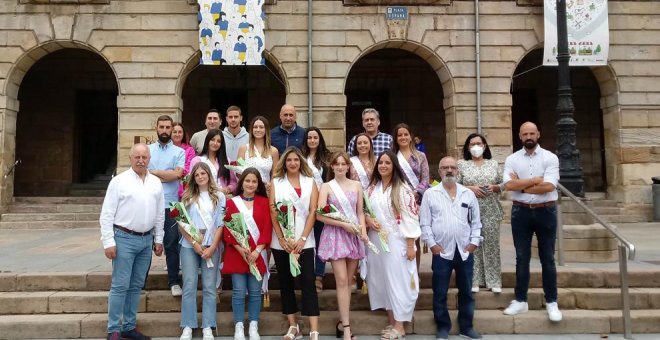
(231,32)
(588,32)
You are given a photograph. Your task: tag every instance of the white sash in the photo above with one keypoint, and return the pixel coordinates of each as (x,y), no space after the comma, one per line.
(254,233)
(361,172)
(214,170)
(207,218)
(317,174)
(299,203)
(343,201)
(407,169)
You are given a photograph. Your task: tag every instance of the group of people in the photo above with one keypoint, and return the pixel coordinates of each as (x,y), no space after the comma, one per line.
(381,187)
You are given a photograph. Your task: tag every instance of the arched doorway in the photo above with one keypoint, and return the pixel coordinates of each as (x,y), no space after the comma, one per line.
(404,88)
(257,90)
(534,93)
(66,128)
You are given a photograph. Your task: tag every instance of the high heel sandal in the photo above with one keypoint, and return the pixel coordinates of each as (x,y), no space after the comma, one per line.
(339,332)
(349,328)
(314,335)
(293,333)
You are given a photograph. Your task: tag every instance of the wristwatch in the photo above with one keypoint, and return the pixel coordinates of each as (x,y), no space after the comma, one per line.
(304,238)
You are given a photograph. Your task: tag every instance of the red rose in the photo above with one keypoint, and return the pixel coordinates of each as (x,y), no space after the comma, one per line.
(327,209)
(233,163)
(284,209)
(227,218)
(174,213)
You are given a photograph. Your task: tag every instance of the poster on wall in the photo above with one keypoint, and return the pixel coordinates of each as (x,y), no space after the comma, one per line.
(588,32)
(231,32)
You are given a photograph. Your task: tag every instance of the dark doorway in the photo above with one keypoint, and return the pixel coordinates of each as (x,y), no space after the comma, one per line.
(404,89)
(66,128)
(257,90)
(534,93)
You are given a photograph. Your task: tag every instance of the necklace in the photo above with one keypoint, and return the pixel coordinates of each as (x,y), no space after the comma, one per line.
(247,199)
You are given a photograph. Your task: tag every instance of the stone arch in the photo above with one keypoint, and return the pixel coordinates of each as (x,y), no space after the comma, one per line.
(9,95)
(193,62)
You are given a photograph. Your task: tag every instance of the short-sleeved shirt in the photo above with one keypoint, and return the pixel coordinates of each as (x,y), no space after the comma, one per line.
(382,142)
(167,157)
(541,163)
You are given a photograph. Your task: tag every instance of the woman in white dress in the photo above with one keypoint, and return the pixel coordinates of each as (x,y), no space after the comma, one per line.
(317,155)
(392,277)
(258,152)
(292,182)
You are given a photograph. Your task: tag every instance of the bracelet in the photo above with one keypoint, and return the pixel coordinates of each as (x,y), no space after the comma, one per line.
(193,243)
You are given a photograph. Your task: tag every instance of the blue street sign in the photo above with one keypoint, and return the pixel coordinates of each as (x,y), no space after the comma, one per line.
(396,13)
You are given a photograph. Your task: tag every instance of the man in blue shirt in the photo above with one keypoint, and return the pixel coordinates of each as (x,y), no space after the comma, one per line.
(288,133)
(166,163)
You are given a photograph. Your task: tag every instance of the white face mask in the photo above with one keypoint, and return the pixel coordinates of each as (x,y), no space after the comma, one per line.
(477,151)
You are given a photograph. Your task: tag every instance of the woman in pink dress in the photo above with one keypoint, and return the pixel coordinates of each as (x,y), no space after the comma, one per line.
(340,244)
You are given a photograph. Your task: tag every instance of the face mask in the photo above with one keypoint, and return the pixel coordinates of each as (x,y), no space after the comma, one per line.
(477,151)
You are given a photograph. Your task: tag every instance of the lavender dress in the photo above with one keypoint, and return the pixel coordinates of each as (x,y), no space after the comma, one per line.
(336,243)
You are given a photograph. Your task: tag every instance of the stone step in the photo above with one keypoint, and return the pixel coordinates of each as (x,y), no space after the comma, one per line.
(87,192)
(567,277)
(54,208)
(59,200)
(606,211)
(365,323)
(595,195)
(603,203)
(50,224)
(49,217)
(54,302)
(624,218)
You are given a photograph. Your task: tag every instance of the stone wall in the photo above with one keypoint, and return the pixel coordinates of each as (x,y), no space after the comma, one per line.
(151,47)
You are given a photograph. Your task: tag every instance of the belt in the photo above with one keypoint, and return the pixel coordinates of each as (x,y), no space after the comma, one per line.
(129,231)
(535,205)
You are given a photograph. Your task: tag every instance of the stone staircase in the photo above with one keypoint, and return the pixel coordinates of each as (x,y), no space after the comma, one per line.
(52,213)
(74,305)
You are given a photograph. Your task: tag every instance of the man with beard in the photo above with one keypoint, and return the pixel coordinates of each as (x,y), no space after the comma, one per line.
(380,140)
(213,121)
(167,162)
(451,226)
(531,174)
(235,134)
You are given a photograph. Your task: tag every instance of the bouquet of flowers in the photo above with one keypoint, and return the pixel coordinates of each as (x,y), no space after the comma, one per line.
(235,224)
(383,235)
(180,215)
(286,219)
(332,212)
(238,166)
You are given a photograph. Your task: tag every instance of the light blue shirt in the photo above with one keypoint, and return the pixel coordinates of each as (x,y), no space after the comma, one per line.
(167,157)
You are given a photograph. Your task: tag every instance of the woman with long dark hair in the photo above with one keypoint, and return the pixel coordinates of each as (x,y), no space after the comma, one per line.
(214,154)
(392,276)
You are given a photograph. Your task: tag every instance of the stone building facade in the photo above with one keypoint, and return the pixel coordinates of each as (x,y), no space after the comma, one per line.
(74,72)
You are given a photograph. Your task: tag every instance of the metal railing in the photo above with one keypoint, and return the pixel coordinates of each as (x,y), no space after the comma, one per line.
(626,252)
(12,167)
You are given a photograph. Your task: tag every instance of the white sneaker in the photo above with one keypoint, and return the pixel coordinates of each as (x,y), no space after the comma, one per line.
(254,330)
(176,290)
(239,331)
(553,311)
(516,307)
(207,334)
(475,289)
(186,334)
(496,290)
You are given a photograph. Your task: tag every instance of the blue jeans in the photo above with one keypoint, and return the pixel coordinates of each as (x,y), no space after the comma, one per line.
(172,247)
(524,223)
(442,269)
(319,265)
(129,270)
(190,263)
(240,284)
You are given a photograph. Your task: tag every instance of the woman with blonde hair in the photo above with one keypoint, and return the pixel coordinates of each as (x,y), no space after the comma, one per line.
(293,187)
(392,276)
(205,205)
(259,152)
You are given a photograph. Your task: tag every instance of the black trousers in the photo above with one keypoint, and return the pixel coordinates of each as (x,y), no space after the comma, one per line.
(310,300)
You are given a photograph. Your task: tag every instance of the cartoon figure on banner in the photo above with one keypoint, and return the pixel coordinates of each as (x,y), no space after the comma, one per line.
(244,25)
(223,24)
(216,9)
(216,58)
(241,49)
(241,5)
(205,33)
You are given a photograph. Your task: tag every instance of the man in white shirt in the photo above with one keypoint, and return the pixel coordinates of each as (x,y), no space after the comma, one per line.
(131,223)
(213,121)
(235,134)
(451,226)
(531,174)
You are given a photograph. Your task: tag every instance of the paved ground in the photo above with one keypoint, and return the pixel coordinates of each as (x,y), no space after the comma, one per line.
(487,337)
(81,250)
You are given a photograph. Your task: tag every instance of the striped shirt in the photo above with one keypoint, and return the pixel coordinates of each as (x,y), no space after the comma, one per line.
(450,224)
(382,142)
(541,163)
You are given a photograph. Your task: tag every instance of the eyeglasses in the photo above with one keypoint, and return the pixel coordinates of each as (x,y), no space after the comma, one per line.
(448,167)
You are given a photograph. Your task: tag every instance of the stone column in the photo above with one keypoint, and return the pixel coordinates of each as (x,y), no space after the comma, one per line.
(8,111)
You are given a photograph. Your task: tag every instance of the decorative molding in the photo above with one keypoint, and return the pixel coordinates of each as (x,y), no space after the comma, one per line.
(64,2)
(530,3)
(397,2)
(266,2)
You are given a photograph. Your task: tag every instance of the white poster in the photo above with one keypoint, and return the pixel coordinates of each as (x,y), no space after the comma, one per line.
(588,32)
(231,32)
